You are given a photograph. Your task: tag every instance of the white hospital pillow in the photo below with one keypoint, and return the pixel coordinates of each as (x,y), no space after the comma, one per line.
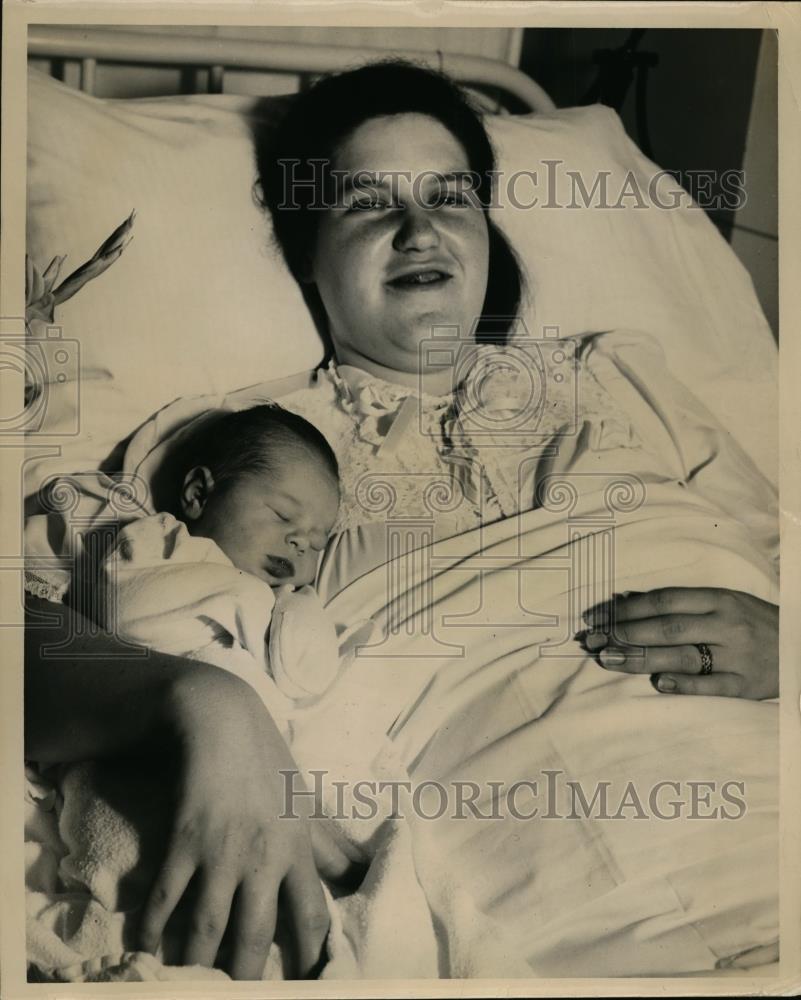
(200,302)
(637,264)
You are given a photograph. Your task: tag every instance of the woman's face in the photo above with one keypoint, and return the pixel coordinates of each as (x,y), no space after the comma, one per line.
(402,253)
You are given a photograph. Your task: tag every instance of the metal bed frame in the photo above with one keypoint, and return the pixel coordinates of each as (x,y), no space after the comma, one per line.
(91,45)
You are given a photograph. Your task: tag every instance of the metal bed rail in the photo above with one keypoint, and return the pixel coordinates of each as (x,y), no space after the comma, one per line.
(92,45)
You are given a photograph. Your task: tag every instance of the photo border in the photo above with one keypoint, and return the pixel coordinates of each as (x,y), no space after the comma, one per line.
(784,18)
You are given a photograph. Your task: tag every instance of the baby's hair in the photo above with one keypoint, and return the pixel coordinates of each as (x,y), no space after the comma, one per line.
(259,439)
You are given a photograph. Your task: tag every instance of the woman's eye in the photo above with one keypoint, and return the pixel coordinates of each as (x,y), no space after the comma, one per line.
(369,205)
(453,199)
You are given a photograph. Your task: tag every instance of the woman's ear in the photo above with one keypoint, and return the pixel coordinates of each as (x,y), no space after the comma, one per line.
(195,492)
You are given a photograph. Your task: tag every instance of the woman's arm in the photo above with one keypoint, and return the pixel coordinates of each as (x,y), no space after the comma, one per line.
(94,697)
(229,834)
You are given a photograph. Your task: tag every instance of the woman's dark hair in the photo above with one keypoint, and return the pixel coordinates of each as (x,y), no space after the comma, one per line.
(232,445)
(292,162)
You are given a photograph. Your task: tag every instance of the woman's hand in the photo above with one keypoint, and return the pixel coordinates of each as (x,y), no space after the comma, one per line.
(237,834)
(107,700)
(741,631)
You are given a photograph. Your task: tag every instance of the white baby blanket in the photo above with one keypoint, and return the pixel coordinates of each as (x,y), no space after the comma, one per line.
(180,594)
(91,860)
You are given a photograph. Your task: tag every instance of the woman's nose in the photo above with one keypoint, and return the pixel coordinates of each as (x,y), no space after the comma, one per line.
(417,230)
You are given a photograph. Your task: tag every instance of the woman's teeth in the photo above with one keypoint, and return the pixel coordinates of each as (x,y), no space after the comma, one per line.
(421,278)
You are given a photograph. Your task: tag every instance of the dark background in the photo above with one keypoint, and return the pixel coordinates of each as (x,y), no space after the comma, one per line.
(669,88)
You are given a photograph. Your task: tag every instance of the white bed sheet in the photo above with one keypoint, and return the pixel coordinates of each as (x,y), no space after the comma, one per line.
(472,674)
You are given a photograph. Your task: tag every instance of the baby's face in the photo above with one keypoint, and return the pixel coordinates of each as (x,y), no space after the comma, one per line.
(274,525)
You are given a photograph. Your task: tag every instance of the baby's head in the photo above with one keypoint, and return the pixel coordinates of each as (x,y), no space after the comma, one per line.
(263,484)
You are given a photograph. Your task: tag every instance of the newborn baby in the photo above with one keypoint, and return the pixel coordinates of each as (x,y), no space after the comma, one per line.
(249,500)
(263,484)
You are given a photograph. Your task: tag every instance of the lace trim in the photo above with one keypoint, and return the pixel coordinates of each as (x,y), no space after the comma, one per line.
(378,483)
(371,402)
(442,467)
(49,588)
(351,381)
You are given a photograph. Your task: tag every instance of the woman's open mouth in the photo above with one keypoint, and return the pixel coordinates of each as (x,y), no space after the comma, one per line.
(425,278)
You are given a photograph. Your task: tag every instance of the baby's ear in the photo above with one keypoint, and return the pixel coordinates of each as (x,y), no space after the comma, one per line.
(197,488)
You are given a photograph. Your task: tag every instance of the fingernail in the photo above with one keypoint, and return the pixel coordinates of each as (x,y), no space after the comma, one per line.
(612,657)
(666,684)
(595,640)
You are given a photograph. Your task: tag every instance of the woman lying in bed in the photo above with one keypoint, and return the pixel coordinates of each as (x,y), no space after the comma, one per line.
(392,258)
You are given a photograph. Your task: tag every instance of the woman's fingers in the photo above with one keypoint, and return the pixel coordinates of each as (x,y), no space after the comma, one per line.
(657,633)
(255,919)
(331,860)
(653,660)
(165,894)
(674,670)
(667,630)
(209,917)
(255,923)
(308,919)
(722,685)
(654,604)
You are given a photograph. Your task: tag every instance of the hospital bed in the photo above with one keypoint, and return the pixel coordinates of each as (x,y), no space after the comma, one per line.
(667,272)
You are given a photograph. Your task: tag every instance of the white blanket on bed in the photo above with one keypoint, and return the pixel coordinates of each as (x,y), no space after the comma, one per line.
(472,676)
(628,896)
(636,895)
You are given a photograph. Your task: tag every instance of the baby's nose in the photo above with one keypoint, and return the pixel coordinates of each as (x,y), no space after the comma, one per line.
(299,542)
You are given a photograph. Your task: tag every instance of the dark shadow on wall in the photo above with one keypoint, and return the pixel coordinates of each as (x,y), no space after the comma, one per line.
(684,95)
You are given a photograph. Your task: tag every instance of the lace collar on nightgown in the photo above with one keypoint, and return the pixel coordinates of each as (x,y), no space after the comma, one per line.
(374,403)
(459,439)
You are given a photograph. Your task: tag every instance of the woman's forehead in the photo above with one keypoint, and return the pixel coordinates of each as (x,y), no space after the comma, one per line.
(404,142)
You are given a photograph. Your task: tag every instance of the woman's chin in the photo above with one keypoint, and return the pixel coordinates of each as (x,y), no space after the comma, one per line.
(438,329)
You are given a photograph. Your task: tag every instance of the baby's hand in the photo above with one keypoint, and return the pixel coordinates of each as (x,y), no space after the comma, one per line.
(302,644)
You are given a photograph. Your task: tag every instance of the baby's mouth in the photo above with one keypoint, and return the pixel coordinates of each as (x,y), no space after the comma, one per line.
(278,567)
